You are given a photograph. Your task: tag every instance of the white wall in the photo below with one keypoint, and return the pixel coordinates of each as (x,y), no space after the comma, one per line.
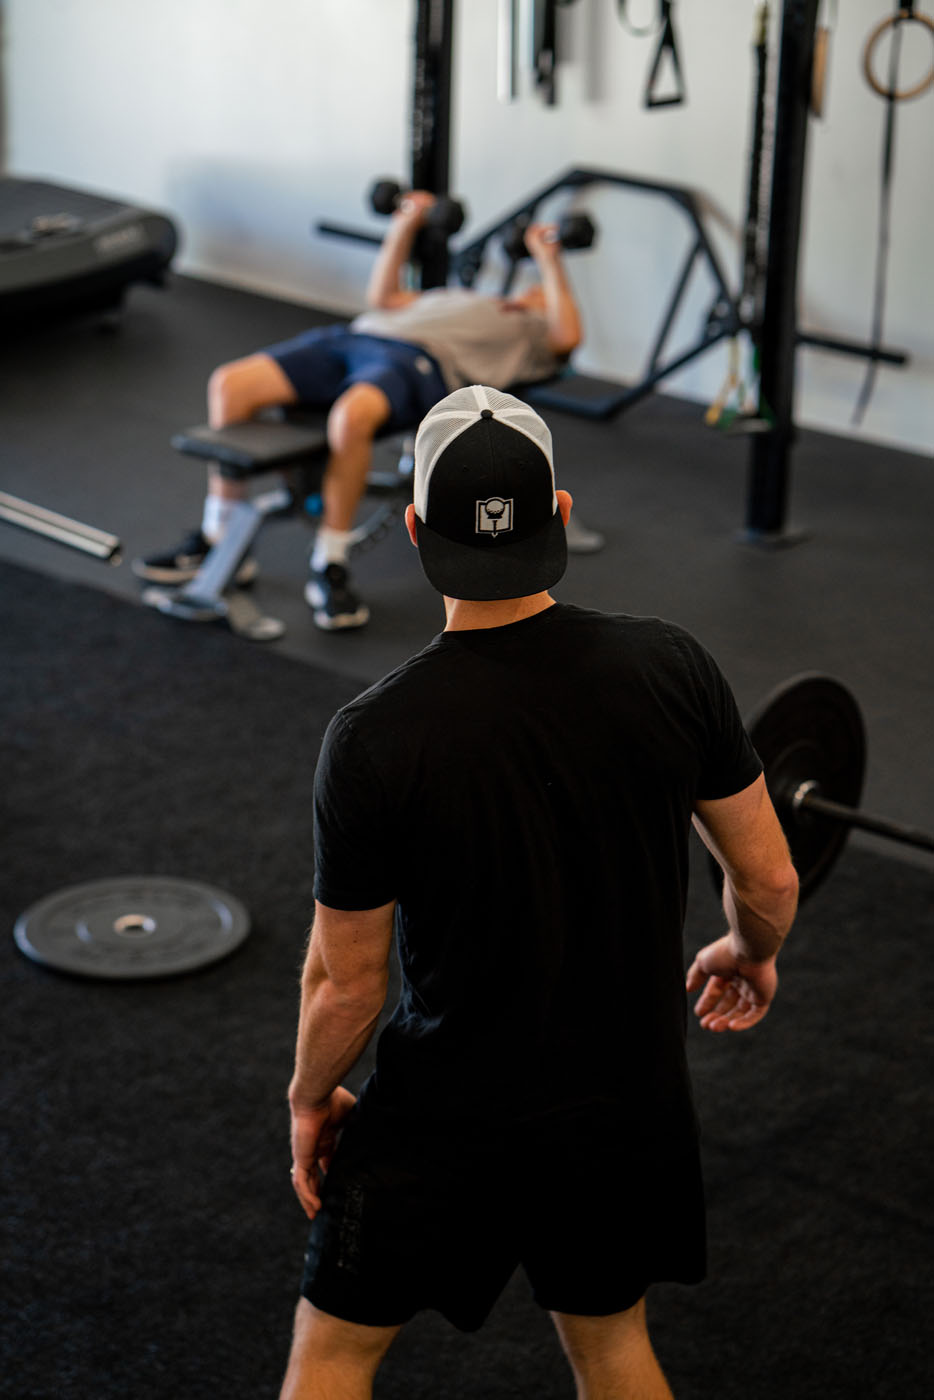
(248,120)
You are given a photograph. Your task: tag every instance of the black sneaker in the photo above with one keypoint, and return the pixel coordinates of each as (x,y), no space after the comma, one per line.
(332,601)
(180,565)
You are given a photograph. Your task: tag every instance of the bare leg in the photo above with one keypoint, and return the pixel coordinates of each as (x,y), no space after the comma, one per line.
(331,1359)
(237,391)
(353,422)
(612,1357)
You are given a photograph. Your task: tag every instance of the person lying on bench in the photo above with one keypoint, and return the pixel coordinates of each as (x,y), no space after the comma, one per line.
(381,373)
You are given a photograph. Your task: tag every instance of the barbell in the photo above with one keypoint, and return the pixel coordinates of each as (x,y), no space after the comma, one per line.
(811,738)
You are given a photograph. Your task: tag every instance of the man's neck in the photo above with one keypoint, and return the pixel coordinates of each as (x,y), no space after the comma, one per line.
(464,616)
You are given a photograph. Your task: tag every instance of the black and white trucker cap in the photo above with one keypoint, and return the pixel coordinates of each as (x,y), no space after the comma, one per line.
(488,523)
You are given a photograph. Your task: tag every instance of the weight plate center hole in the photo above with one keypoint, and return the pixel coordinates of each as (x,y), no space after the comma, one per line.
(134,925)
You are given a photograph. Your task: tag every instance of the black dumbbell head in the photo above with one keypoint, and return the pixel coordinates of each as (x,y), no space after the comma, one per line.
(576,231)
(446,214)
(384,196)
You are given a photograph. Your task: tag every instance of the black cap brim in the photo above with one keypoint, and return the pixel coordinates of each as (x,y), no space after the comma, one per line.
(495,568)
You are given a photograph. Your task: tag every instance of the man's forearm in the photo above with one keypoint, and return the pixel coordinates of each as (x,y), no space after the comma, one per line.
(564,324)
(386,278)
(333,1031)
(760,923)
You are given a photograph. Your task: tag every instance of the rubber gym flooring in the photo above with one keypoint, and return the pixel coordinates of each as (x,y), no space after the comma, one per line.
(86,416)
(150,1240)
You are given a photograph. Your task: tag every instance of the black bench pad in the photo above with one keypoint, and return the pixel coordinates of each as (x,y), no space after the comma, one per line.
(255,446)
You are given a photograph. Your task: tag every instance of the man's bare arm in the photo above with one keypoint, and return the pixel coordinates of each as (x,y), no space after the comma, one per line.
(561,310)
(385,289)
(343,990)
(760,896)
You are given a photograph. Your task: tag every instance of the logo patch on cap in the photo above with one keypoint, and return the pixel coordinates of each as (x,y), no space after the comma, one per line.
(494,517)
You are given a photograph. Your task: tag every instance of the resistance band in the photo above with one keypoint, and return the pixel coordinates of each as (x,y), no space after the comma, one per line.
(820,61)
(736,400)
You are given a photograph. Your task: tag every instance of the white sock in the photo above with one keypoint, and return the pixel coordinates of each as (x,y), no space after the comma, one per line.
(215,517)
(331,547)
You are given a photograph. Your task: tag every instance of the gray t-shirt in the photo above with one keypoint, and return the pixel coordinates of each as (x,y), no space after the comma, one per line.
(475,339)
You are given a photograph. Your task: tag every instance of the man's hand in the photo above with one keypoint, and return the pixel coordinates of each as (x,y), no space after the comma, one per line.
(736,993)
(413,207)
(314,1138)
(543,242)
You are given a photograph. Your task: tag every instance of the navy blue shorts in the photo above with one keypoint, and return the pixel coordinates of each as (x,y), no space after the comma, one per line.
(323,362)
(412,1221)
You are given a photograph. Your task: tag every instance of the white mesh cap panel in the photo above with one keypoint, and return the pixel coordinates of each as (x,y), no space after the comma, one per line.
(459,411)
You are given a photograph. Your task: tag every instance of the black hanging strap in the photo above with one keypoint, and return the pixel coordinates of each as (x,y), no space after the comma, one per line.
(546,57)
(667,44)
(545,40)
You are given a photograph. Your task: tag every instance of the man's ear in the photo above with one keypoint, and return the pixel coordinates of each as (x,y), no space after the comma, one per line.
(565,502)
(410,523)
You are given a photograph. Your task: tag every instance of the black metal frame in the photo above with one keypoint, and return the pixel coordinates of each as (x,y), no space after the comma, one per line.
(777,337)
(431,126)
(722,320)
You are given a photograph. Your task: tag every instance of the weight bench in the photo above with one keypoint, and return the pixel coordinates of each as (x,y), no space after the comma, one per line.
(298,447)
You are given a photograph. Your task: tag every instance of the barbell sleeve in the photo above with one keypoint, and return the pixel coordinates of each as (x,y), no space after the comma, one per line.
(807,799)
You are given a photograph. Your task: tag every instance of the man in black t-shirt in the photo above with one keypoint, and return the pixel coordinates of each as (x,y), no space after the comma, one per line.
(515,801)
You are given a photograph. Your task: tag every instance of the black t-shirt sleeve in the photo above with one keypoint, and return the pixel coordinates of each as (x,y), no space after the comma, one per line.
(353,829)
(729,763)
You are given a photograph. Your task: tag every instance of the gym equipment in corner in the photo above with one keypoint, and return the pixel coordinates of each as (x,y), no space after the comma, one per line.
(297,446)
(66,252)
(809,733)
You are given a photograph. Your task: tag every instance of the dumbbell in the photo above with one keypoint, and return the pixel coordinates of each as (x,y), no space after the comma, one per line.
(574,231)
(445,214)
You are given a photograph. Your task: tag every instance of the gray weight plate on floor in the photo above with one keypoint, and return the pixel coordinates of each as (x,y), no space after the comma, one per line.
(132,927)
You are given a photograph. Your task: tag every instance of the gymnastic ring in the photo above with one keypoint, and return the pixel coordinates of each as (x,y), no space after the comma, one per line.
(640,31)
(903,16)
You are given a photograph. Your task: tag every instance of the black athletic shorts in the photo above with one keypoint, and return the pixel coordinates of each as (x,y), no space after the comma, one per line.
(321,363)
(415,1220)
